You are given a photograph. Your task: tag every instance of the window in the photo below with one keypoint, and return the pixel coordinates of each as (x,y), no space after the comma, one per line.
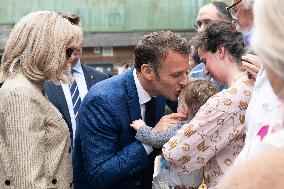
(97,50)
(107,51)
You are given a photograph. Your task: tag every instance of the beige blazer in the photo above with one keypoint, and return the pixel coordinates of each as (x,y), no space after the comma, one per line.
(34,139)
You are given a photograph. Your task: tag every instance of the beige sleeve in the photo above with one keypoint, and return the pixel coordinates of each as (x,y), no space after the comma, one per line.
(24,139)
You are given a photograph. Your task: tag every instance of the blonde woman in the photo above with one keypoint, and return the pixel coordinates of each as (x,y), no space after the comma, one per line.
(34,139)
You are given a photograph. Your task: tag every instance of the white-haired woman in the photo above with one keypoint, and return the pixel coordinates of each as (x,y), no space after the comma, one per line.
(267,41)
(265,168)
(34,139)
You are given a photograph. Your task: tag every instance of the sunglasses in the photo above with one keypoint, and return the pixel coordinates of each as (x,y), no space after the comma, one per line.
(69,52)
(233,12)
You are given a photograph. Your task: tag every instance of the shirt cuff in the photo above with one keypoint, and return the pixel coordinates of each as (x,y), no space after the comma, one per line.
(148,148)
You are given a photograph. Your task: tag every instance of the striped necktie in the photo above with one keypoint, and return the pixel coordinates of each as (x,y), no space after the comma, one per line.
(76,100)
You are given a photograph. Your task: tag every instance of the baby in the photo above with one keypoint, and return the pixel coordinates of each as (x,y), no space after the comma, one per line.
(191,98)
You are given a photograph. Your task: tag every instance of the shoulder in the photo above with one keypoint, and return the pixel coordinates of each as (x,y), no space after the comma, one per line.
(234,98)
(24,94)
(116,84)
(198,71)
(114,90)
(49,85)
(19,86)
(199,67)
(92,70)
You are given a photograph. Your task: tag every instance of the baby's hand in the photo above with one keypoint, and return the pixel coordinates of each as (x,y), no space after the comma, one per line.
(137,124)
(168,120)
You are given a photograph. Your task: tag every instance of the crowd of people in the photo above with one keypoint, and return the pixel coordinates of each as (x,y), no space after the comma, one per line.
(65,125)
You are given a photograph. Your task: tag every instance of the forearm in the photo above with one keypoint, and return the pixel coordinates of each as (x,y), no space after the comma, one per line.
(149,136)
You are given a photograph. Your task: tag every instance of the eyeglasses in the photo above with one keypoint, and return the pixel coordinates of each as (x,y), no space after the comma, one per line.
(231,11)
(69,52)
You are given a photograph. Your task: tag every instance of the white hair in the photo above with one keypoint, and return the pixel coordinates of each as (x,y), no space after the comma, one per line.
(268,34)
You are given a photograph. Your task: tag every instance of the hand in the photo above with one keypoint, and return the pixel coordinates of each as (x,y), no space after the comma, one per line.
(137,124)
(251,64)
(168,120)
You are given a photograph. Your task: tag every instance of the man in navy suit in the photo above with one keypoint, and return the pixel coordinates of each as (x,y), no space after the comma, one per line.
(85,77)
(106,153)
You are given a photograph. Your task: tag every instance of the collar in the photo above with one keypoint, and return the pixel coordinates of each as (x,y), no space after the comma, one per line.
(142,94)
(78,67)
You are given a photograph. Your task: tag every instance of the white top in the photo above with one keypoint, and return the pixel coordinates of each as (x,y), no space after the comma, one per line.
(79,77)
(262,104)
(143,98)
(269,135)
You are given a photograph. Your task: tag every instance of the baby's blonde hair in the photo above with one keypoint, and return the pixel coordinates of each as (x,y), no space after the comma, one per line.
(37,46)
(197,92)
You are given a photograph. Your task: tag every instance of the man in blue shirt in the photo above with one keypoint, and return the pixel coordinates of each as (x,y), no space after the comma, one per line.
(215,11)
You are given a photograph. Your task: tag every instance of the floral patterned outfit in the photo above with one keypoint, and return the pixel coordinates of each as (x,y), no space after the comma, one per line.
(215,136)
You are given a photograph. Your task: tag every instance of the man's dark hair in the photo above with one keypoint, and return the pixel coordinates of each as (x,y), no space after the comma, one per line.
(222,33)
(194,53)
(222,11)
(152,49)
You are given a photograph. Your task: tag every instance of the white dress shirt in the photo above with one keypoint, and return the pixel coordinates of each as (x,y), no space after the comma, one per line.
(78,75)
(143,98)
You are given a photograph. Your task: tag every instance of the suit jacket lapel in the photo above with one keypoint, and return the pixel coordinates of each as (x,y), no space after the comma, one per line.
(63,104)
(89,77)
(133,101)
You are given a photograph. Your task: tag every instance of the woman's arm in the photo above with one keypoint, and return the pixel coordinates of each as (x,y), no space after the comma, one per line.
(24,139)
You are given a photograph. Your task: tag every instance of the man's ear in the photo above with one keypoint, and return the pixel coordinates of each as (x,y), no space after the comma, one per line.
(147,72)
(221,51)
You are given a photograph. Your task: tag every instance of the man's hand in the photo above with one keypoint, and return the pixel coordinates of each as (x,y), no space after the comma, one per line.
(251,64)
(168,120)
(137,124)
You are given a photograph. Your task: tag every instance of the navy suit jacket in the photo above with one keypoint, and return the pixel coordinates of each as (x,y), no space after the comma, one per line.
(56,95)
(106,153)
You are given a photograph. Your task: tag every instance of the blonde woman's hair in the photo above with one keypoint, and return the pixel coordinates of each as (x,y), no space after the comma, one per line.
(268,34)
(37,47)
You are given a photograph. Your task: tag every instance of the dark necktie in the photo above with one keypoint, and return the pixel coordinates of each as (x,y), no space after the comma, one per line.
(150,112)
(76,100)
(150,120)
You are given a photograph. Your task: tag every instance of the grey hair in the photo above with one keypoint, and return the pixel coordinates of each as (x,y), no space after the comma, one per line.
(268,34)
